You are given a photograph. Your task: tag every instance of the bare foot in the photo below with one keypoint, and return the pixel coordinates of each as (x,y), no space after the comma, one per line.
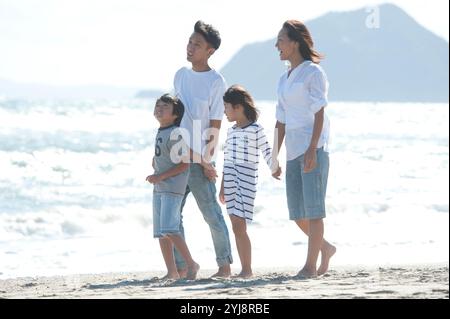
(192,272)
(171,276)
(244,275)
(327,253)
(183,273)
(306,274)
(224,272)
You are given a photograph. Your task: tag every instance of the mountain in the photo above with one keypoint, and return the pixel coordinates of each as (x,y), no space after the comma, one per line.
(400,61)
(11,89)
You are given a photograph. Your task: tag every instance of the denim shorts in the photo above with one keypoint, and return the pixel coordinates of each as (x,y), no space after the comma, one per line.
(166,214)
(306,191)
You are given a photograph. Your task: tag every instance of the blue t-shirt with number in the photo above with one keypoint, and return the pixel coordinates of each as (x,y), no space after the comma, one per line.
(168,152)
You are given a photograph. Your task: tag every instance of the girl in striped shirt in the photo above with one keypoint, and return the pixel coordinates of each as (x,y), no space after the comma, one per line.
(245,140)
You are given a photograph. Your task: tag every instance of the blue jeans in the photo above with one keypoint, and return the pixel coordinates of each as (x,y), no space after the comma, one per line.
(306,191)
(204,192)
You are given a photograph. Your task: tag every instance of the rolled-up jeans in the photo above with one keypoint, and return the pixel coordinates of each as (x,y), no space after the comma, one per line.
(204,192)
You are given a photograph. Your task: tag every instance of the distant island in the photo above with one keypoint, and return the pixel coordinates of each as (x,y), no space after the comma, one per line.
(400,61)
(11,89)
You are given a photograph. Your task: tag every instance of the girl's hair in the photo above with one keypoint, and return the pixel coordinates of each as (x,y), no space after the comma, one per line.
(178,107)
(235,95)
(298,32)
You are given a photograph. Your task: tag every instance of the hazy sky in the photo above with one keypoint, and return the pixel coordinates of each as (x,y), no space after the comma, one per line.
(141,43)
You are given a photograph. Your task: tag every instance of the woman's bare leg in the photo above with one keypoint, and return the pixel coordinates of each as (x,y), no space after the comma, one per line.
(327,250)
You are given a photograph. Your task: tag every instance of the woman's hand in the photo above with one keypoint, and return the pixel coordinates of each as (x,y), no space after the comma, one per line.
(310,160)
(277,173)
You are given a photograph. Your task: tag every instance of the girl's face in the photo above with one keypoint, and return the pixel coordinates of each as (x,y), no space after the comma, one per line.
(233,113)
(198,50)
(164,113)
(286,46)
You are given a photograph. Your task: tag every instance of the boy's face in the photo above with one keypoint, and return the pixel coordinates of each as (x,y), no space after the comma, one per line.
(198,50)
(164,113)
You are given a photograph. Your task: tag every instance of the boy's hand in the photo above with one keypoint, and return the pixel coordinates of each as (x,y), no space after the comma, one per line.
(153,179)
(210,172)
(277,174)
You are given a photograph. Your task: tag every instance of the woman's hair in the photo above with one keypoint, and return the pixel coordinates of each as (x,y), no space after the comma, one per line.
(208,32)
(178,107)
(298,32)
(235,95)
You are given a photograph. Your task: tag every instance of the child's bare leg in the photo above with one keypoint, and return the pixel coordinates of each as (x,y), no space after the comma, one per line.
(223,272)
(327,250)
(314,245)
(243,244)
(169,259)
(182,272)
(192,266)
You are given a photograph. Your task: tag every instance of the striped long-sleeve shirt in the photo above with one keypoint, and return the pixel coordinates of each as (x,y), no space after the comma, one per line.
(240,173)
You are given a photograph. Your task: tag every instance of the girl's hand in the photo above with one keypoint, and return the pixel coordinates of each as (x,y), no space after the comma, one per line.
(310,160)
(222,196)
(153,179)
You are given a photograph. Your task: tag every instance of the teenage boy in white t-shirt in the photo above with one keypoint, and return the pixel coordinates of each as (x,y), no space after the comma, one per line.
(201,90)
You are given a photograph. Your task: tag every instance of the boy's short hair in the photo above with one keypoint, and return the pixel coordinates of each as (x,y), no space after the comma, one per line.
(210,34)
(178,106)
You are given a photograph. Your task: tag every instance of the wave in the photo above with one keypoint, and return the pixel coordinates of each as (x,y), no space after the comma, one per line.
(19,200)
(77,170)
(62,107)
(62,222)
(24,140)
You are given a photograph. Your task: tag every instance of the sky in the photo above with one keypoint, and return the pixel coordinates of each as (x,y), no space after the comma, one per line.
(142,43)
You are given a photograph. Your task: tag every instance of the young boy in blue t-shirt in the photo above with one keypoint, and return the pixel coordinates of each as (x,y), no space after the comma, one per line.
(170,180)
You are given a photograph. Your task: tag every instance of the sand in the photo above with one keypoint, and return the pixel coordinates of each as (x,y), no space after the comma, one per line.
(424,282)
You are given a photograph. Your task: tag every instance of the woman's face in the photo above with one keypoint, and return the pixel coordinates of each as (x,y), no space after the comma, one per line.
(286,46)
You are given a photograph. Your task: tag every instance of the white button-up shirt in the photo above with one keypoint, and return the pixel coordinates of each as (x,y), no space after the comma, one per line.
(300,97)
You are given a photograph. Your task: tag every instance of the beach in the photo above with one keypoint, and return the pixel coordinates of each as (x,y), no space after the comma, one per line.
(344,282)
(73,200)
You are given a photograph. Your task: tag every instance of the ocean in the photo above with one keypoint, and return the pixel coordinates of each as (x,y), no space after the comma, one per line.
(73,196)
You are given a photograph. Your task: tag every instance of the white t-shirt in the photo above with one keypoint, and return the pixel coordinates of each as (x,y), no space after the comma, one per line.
(300,97)
(202,96)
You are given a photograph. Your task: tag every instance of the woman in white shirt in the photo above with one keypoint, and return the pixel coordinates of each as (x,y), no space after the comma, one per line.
(301,118)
